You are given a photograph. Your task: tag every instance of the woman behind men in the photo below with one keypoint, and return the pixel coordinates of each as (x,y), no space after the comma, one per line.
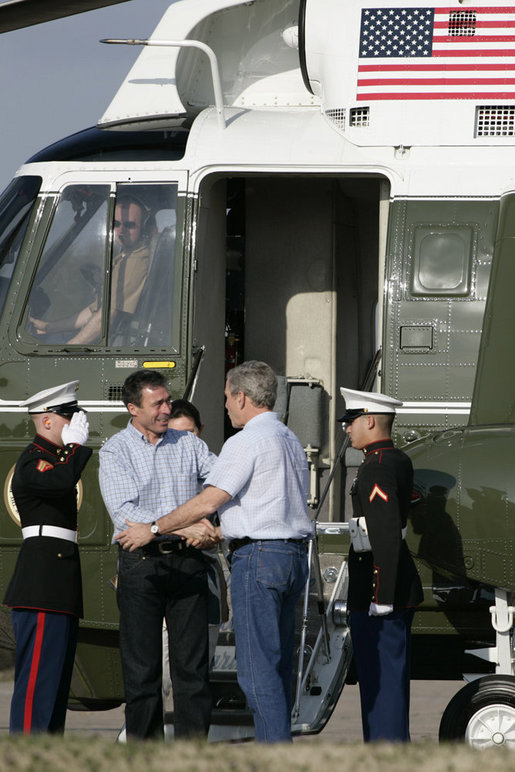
(185,417)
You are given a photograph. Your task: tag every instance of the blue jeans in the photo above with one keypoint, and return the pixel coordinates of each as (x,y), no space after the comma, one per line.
(267,578)
(173,586)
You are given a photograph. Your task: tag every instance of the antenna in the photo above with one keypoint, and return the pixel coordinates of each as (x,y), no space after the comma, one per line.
(215,72)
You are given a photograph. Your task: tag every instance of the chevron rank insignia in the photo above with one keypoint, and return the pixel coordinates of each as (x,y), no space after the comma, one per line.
(44,466)
(376,491)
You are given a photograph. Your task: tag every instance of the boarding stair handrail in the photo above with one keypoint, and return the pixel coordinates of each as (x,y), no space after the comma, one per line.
(313,559)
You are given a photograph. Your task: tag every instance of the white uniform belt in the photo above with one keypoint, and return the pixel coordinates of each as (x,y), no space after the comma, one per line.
(49,530)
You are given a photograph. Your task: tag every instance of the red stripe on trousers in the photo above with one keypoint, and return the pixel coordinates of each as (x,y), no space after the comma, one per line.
(31,687)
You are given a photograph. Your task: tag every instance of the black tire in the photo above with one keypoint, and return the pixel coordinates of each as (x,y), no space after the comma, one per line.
(475,696)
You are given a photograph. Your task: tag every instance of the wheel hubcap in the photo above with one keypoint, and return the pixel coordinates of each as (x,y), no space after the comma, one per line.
(492,726)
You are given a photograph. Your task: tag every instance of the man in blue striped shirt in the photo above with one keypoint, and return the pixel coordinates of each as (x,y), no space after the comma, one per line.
(259,486)
(145,471)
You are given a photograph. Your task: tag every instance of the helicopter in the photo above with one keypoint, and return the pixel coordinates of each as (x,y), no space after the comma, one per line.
(329,189)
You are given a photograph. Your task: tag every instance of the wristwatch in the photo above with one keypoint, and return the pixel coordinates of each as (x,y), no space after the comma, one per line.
(154,528)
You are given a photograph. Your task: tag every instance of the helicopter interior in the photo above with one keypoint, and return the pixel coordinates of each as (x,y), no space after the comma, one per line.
(300,257)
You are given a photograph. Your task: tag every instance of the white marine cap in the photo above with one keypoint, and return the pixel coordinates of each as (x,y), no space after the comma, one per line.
(360,402)
(59,399)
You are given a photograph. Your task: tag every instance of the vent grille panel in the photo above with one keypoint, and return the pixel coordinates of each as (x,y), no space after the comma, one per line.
(495,121)
(337,116)
(114,393)
(462,24)
(359,116)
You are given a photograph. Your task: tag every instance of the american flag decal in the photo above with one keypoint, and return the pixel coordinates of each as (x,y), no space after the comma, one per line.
(436,53)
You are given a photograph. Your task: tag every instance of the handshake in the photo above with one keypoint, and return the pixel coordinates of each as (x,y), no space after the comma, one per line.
(77,431)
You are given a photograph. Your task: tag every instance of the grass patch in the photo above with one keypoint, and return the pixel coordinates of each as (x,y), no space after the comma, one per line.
(55,754)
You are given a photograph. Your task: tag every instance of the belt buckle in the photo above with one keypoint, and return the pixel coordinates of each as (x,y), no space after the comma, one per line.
(173,546)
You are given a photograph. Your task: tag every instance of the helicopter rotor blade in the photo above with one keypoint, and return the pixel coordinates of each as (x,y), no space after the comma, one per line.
(17,14)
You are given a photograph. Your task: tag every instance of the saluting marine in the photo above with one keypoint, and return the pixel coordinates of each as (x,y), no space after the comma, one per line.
(384,586)
(45,592)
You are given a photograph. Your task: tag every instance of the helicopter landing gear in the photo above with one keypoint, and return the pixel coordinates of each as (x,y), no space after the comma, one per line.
(482,713)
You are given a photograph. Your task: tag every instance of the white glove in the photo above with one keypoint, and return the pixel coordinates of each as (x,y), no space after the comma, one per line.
(77,431)
(379,609)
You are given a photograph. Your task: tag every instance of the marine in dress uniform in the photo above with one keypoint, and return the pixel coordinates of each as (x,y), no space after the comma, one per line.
(384,586)
(45,592)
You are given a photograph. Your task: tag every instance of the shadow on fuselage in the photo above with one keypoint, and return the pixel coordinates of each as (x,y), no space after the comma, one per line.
(465,602)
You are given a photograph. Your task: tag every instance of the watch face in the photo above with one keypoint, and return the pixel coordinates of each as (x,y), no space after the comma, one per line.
(154,528)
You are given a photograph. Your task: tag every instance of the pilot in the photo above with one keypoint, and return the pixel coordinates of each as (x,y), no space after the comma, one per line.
(45,592)
(384,586)
(133,227)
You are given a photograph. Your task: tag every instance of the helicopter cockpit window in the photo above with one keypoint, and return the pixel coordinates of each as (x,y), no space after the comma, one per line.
(68,287)
(143,265)
(16,206)
(89,259)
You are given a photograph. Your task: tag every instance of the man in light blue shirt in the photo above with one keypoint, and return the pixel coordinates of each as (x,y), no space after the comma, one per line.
(259,486)
(146,470)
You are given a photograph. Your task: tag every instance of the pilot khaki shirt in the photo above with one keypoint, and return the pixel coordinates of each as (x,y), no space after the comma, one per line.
(130,271)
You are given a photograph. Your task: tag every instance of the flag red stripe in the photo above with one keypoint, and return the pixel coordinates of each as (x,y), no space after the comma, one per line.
(436,82)
(457,95)
(476,52)
(468,39)
(486,10)
(478,24)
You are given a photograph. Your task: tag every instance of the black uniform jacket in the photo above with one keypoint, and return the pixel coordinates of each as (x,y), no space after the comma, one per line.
(47,574)
(382,493)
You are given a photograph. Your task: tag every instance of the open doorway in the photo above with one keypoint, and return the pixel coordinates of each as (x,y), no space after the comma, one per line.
(301,257)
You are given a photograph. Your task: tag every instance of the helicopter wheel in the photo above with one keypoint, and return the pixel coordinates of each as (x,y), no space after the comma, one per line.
(482,713)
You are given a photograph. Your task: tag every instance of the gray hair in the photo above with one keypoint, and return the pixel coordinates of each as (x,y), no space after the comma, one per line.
(256,380)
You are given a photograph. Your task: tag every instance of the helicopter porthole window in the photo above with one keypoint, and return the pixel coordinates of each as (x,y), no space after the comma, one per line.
(443,258)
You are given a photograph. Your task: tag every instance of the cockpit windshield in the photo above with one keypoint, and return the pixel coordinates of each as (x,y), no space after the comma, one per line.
(106,272)
(16,207)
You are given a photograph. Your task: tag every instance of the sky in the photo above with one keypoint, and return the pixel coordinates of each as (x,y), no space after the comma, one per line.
(56,78)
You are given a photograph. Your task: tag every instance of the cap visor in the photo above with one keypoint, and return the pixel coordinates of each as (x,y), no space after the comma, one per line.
(350,415)
(66,410)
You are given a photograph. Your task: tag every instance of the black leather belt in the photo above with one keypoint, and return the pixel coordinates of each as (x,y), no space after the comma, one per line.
(158,548)
(235,544)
